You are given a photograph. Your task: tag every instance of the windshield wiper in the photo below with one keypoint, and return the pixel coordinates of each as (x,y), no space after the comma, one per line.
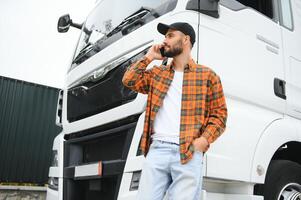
(134,21)
(129,24)
(140,21)
(83,52)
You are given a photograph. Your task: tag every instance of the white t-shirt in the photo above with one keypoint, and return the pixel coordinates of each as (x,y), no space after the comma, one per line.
(168,119)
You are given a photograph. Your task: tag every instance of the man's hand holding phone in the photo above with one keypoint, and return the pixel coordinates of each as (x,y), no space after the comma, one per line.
(155,52)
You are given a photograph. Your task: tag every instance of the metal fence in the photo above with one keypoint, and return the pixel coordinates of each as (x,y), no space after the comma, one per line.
(27,130)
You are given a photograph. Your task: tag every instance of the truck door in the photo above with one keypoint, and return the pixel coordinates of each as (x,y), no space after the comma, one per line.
(243,46)
(289,21)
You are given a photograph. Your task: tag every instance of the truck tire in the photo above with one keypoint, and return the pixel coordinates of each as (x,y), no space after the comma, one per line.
(283,181)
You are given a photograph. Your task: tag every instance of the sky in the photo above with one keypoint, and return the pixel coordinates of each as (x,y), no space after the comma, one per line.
(31,49)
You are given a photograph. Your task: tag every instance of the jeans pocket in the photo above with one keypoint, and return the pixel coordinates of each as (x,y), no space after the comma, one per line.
(199,152)
(196,150)
(154,144)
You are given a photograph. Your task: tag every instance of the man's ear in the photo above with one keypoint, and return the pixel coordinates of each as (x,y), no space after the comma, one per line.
(187,39)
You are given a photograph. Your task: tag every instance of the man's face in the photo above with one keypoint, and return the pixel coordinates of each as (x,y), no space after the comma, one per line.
(173,43)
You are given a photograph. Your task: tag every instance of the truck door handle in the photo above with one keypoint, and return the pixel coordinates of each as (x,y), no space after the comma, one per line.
(279,88)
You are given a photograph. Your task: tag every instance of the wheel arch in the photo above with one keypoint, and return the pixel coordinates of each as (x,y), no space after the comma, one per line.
(278,141)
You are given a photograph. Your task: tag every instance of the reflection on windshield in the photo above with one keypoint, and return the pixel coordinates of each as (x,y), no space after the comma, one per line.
(112,19)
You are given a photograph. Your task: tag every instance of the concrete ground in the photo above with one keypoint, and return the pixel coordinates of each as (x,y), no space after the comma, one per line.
(22,193)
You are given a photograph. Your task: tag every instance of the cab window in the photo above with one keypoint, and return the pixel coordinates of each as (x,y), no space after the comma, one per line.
(265,7)
(286,19)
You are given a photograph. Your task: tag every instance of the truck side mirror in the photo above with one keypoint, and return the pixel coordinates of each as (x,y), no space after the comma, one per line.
(64,23)
(207,7)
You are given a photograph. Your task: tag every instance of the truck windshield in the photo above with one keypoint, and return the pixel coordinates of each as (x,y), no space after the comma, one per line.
(112,19)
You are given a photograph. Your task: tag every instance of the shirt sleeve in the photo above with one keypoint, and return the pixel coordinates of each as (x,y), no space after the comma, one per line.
(136,77)
(218,111)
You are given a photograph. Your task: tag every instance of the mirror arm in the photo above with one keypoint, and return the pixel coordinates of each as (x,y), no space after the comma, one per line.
(76,25)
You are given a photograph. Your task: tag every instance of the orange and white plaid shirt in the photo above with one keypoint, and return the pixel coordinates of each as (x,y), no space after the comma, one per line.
(203,106)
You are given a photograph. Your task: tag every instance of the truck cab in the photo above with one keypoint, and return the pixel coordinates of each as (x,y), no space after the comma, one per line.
(254,46)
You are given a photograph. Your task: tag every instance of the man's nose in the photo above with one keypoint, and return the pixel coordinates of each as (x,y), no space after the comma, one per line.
(164,42)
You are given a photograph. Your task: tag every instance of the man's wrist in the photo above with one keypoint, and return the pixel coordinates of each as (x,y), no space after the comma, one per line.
(149,57)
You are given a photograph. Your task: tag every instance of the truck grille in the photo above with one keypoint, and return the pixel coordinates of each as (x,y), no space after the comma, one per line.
(94,97)
(109,143)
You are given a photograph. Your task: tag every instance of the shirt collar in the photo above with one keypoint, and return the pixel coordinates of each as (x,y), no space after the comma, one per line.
(191,65)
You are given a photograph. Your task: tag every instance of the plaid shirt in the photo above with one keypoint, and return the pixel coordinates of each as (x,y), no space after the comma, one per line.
(203,106)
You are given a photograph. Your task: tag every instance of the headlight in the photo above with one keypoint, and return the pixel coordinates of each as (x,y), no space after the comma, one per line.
(55,161)
(59,109)
(135,181)
(53,183)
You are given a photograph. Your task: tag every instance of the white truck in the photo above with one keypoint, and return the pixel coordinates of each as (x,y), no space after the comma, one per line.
(254,46)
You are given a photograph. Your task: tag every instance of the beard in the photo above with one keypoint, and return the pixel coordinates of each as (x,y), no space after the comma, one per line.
(174,51)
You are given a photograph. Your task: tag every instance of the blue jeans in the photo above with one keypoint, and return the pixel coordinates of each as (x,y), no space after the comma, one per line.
(163,173)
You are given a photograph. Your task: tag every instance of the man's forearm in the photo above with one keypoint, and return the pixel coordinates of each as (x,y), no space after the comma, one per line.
(218,111)
(216,124)
(137,77)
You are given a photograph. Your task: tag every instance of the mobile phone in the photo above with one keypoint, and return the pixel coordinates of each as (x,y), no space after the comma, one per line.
(162,51)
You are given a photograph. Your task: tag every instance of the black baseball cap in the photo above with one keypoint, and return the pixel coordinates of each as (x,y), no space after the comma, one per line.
(180,26)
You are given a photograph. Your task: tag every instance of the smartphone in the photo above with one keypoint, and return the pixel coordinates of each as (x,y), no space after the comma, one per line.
(162,51)
(164,62)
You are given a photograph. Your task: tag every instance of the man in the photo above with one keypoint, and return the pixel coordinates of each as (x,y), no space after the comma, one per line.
(186,111)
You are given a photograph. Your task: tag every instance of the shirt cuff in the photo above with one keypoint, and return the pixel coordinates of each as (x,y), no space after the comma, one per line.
(146,60)
(209,134)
